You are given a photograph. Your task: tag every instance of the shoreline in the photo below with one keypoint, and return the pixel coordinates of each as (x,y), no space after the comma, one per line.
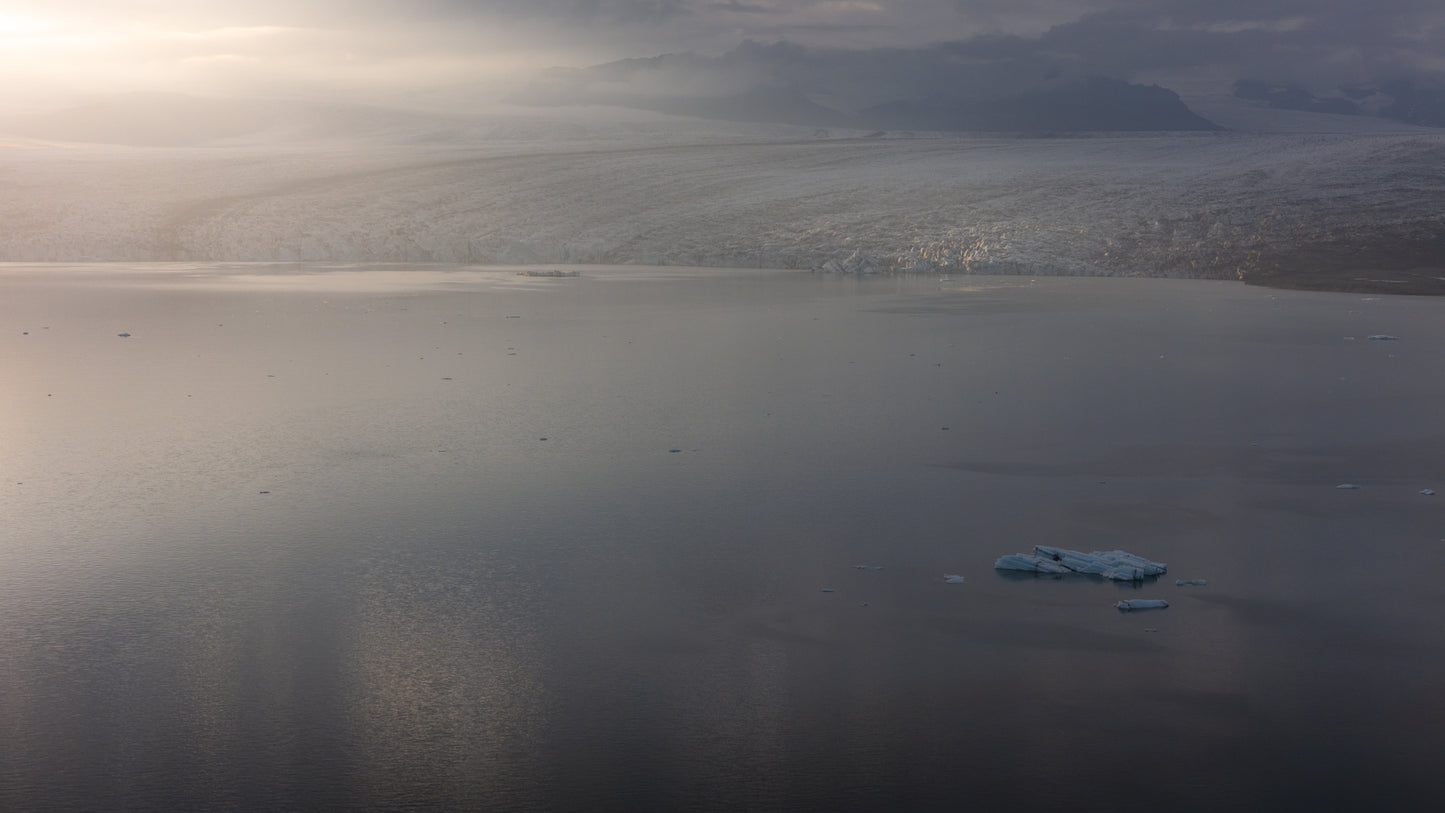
(1420,281)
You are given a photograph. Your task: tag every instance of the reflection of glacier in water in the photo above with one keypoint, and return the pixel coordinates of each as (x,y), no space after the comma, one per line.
(1193,205)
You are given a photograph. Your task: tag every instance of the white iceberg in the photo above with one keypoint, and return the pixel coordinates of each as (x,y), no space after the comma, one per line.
(1114,564)
(1347,486)
(1142,604)
(1428,492)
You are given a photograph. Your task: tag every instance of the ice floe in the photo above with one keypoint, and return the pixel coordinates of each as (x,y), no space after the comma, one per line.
(1115,564)
(1029,562)
(1142,604)
(1428,492)
(1183,582)
(1347,486)
(1380,337)
(953,578)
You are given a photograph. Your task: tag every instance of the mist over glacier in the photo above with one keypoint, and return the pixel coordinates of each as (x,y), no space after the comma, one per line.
(610,187)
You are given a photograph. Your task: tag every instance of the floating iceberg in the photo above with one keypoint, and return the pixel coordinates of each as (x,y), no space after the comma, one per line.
(1115,564)
(1347,486)
(1383,338)
(1142,604)
(953,578)
(1428,492)
(1029,562)
(1183,582)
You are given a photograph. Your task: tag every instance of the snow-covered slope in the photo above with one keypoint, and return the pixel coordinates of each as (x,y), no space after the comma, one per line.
(564,191)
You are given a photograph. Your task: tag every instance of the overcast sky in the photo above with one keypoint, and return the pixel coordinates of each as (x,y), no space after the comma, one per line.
(381,48)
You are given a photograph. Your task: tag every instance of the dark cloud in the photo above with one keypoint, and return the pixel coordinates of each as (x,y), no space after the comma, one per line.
(927,45)
(1317,51)
(1318,43)
(1314,42)
(743,8)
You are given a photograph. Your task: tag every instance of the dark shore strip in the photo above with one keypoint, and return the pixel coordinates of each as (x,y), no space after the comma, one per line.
(1415,281)
(1383,263)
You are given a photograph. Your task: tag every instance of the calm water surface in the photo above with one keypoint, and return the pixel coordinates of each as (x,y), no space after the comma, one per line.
(322,538)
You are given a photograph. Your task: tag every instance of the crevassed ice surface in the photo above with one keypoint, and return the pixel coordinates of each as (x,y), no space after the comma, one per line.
(1177,205)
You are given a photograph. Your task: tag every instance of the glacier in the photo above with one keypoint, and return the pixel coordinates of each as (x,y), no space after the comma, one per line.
(532,190)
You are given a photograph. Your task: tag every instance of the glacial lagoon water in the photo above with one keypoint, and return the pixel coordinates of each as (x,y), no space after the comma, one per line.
(325,537)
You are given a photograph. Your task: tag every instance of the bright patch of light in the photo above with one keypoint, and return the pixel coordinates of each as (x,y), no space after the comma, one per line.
(849,5)
(1280,26)
(218,34)
(15,25)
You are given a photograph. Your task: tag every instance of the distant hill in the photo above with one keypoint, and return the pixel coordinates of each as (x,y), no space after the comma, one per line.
(763,104)
(1095,104)
(1402,100)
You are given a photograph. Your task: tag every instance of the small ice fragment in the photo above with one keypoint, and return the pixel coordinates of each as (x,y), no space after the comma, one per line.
(1349,338)
(868,567)
(1142,604)
(953,578)
(828,590)
(1182,582)
(1428,492)
(123,335)
(1380,337)
(1151,629)
(1347,486)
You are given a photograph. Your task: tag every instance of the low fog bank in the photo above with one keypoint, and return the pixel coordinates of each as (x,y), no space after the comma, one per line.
(943,88)
(594,185)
